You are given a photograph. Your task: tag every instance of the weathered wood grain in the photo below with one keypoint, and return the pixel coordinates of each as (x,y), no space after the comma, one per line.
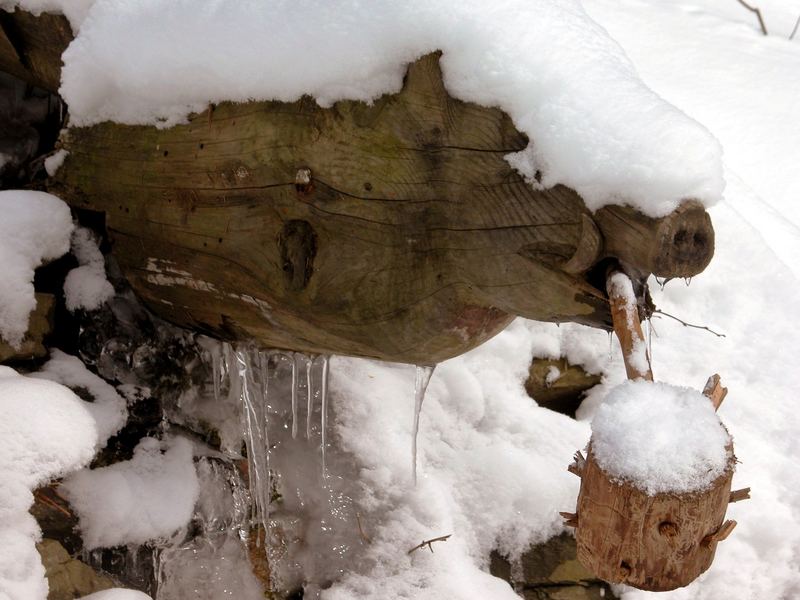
(394,230)
(657,543)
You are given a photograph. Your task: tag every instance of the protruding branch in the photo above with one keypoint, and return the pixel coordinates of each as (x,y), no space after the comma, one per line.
(627,326)
(571,519)
(737,495)
(720,534)
(579,462)
(429,543)
(678,245)
(714,391)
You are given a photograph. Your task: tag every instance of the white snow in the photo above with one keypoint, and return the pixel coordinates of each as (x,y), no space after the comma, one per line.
(86,286)
(45,432)
(492,470)
(74,10)
(660,438)
(148,497)
(107,408)
(35,228)
(53,162)
(594,125)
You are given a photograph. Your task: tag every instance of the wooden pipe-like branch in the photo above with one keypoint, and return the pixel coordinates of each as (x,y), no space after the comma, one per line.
(627,327)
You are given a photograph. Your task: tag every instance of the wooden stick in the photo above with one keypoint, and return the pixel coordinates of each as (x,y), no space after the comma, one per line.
(720,534)
(429,543)
(714,391)
(627,326)
(755,10)
(738,495)
(576,468)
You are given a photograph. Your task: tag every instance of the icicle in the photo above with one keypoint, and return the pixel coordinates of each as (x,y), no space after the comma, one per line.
(254,406)
(421,380)
(293,358)
(610,345)
(216,370)
(309,396)
(324,409)
(687,281)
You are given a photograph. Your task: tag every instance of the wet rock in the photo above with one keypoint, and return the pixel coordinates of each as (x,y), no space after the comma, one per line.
(551,571)
(67,577)
(39,326)
(558,385)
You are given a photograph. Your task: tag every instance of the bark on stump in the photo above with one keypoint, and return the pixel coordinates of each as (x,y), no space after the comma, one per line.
(653,542)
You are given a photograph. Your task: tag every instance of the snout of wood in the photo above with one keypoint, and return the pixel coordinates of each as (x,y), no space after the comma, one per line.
(678,245)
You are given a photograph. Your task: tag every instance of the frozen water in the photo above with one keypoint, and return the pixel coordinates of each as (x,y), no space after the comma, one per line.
(422,377)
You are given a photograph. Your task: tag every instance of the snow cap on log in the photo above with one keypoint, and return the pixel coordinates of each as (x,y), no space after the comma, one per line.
(660,438)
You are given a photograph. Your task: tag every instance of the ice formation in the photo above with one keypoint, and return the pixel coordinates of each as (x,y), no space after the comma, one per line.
(595,126)
(130,502)
(660,438)
(34,229)
(86,286)
(422,378)
(45,432)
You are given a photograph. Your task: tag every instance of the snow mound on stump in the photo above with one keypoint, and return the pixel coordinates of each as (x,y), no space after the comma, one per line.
(660,438)
(35,227)
(594,125)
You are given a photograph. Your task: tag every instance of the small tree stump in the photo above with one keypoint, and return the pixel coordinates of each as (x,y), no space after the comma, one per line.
(653,542)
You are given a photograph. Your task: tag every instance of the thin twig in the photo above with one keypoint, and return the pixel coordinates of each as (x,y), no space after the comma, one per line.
(429,543)
(796,25)
(45,500)
(685,324)
(758,14)
(364,537)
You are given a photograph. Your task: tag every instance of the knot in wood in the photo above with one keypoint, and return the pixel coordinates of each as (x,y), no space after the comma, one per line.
(668,529)
(302,181)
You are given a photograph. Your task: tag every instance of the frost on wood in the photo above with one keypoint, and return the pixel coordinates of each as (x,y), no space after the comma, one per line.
(660,438)
(35,228)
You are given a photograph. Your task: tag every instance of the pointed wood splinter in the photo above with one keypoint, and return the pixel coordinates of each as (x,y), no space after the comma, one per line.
(737,495)
(571,519)
(720,534)
(714,391)
(578,464)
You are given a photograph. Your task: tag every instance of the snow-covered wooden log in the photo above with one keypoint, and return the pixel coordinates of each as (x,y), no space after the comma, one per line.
(655,486)
(395,230)
(654,542)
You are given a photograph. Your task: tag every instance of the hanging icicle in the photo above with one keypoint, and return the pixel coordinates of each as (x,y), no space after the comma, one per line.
(324,410)
(309,395)
(293,358)
(421,380)
(255,423)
